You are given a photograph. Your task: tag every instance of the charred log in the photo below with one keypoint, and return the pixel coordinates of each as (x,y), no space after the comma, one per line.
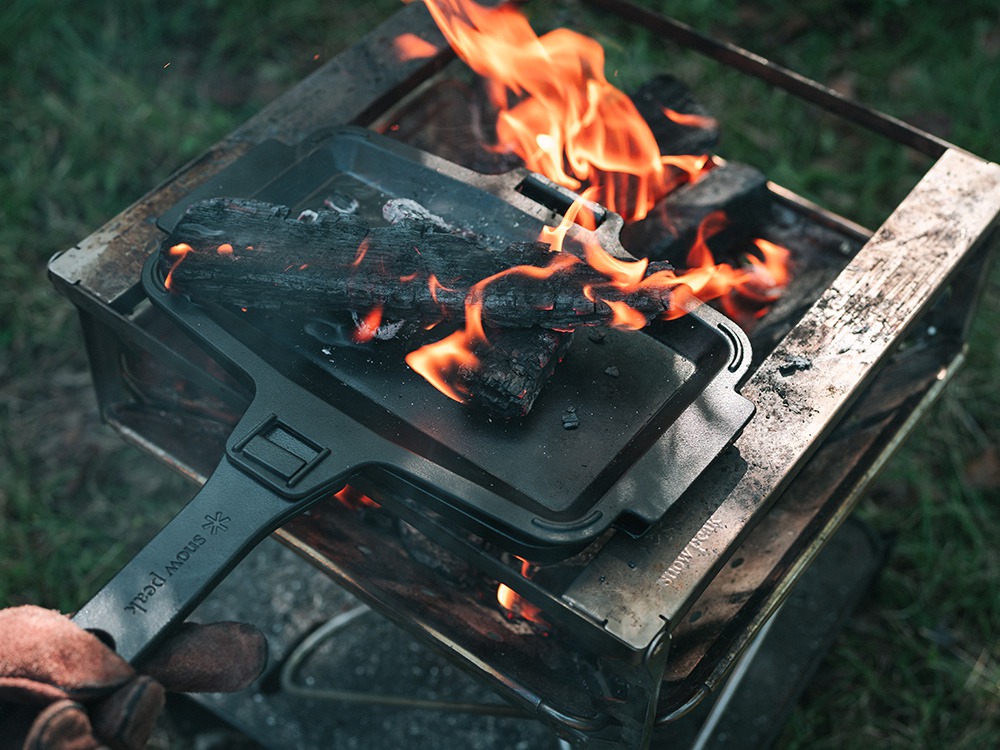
(411,270)
(695,132)
(513,370)
(667,233)
(333,261)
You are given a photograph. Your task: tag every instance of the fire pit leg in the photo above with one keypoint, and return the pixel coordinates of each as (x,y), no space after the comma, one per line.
(631,692)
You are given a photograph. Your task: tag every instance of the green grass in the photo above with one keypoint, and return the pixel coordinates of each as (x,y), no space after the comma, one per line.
(99,101)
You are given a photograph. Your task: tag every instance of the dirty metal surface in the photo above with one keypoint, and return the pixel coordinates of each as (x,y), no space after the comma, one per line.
(748,590)
(801,391)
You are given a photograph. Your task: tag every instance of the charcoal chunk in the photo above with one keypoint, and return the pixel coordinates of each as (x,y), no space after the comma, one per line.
(514,369)
(672,137)
(668,232)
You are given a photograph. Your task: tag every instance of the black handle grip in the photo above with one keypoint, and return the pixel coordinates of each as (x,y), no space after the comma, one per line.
(167,579)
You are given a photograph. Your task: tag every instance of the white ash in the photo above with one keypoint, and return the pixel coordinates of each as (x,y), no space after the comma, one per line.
(794,363)
(385,331)
(341,203)
(396,210)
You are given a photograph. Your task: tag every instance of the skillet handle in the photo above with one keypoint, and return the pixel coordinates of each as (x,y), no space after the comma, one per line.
(191,555)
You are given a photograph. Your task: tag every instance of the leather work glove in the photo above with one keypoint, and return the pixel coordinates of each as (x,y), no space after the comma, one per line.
(74,693)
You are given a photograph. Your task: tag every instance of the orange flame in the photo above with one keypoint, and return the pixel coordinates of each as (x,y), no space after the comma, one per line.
(762,285)
(624,273)
(558,112)
(578,213)
(689,120)
(517,605)
(354,499)
(746,293)
(625,316)
(775,264)
(566,120)
(409,46)
(440,363)
(179,252)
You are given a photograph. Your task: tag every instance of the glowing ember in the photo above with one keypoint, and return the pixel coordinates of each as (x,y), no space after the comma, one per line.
(566,120)
(362,251)
(368,325)
(434,285)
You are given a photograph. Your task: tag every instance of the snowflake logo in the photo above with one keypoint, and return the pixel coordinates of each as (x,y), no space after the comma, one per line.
(216,523)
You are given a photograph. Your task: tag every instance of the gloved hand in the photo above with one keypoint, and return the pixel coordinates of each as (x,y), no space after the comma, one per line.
(73,693)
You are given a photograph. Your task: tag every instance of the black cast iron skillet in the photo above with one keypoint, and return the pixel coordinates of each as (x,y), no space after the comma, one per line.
(320,419)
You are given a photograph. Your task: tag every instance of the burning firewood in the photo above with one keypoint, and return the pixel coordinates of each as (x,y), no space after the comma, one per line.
(516,302)
(513,369)
(738,190)
(250,254)
(246,253)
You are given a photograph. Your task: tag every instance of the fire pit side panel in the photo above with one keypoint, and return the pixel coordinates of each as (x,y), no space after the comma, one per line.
(801,391)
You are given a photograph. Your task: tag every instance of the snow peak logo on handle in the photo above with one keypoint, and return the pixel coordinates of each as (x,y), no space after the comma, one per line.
(147,592)
(215,523)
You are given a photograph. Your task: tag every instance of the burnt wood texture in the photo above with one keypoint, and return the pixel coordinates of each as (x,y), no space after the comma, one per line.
(411,270)
(668,232)
(690,136)
(513,370)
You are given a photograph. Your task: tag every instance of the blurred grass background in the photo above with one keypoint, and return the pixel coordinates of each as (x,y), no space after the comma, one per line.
(99,101)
